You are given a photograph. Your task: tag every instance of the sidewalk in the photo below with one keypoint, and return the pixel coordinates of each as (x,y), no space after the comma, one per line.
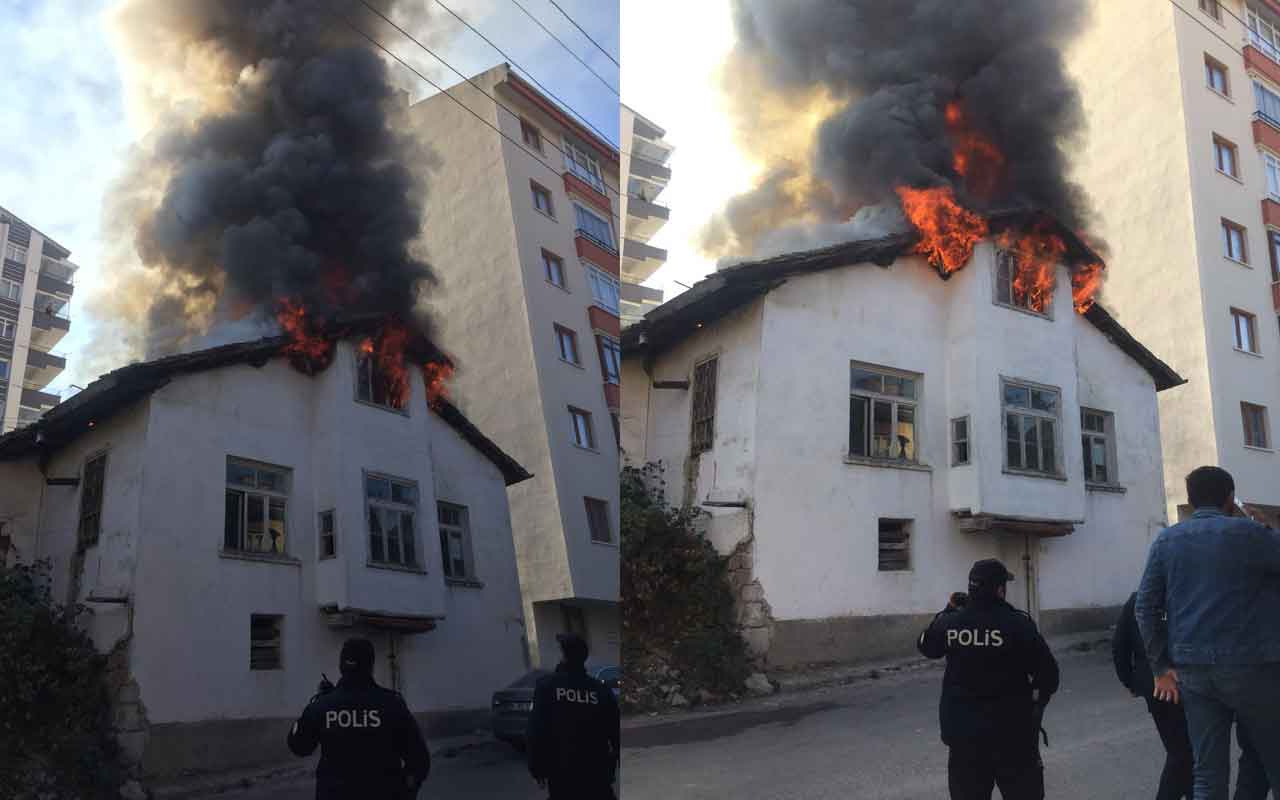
(795,681)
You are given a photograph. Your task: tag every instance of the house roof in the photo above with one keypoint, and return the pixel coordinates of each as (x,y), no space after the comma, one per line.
(735,286)
(116,390)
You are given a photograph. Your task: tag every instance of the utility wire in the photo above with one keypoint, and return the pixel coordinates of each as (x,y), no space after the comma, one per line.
(584,33)
(566,47)
(411,38)
(1216,35)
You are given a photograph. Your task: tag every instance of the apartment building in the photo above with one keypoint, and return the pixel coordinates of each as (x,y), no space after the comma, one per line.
(644,163)
(521,225)
(35,295)
(858,432)
(1182,160)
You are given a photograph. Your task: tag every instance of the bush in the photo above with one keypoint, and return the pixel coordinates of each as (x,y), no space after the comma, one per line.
(678,622)
(55,710)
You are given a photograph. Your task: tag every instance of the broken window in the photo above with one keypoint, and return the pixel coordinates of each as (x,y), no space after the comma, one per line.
(1008,292)
(959,441)
(703,429)
(375,386)
(328,534)
(392,505)
(1098,445)
(265,641)
(1031,428)
(257,499)
(882,413)
(455,541)
(583,433)
(895,545)
(95,471)
(598,520)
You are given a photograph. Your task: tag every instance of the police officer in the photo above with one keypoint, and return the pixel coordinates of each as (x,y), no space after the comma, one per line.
(1000,675)
(573,735)
(370,745)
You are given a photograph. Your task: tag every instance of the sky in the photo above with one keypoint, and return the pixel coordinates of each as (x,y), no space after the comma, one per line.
(67,129)
(683,96)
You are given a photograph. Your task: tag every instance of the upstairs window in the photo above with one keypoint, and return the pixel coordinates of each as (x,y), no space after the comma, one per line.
(1271,168)
(95,473)
(584,165)
(1010,294)
(1215,73)
(257,504)
(1262,34)
(1267,102)
(598,520)
(10,290)
(6,328)
(605,289)
(376,387)
(882,413)
(542,199)
(1234,245)
(554,266)
(1246,331)
(1031,416)
(455,541)
(1225,157)
(702,432)
(1097,439)
(567,342)
(610,359)
(15,252)
(1273,247)
(595,227)
(392,505)
(584,434)
(531,135)
(4,370)
(328,529)
(1211,8)
(959,441)
(1256,430)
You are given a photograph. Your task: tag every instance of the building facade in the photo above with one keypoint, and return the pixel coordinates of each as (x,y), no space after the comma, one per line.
(644,163)
(521,225)
(1182,160)
(860,435)
(229,521)
(36,284)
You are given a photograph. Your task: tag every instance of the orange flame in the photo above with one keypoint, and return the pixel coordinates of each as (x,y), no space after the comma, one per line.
(948,231)
(973,157)
(435,375)
(1085,282)
(308,351)
(1037,254)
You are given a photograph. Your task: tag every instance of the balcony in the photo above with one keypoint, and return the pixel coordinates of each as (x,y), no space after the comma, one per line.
(42,368)
(597,251)
(1266,131)
(640,260)
(1270,212)
(26,415)
(604,322)
(1262,58)
(47,329)
(644,218)
(51,285)
(63,271)
(612,396)
(592,191)
(34,398)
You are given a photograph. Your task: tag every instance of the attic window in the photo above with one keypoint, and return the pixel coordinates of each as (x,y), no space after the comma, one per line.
(374,385)
(1009,293)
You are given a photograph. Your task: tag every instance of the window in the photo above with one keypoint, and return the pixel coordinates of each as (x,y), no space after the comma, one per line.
(1097,439)
(604,288)
(1245,330)
(392,505)
(6,329)
(15,252)
(598,520)
(554,266)
(1273,240)
(617,430)
(531,135)
(1031,428)
(1267,102)
(959,441)
(610,359)
(1262,34)
(257,507)
(594,226)
(95,473)
(1010,293)
(4,370)
(567,341)
(1215,74)
(542,199)
(328,534)
(882,413)
(1211,8)
(1225,157)
(10,290)
(895,545)
(1255,425)
(264,641)
(583,435)
(702,431)
(584,165)
(1233,242)
(455,541)
(376,387)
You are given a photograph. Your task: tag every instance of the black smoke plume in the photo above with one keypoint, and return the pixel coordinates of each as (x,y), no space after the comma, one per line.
(892,68)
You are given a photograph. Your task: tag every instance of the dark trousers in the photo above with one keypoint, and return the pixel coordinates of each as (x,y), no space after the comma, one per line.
(973,772)
(1251,780)
(1177,778)
(563,790)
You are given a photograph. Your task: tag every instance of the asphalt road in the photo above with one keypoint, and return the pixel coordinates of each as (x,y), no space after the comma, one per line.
(879,741)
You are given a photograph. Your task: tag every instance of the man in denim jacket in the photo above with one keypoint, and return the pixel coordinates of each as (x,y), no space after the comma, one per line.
(1218,578)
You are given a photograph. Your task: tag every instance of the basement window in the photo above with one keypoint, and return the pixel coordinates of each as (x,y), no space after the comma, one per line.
(1031,414)
(95,473)
(1097,440)
(882,413)
(392,505)
(328,528)
(1008,293)
(375,387)
(265,641)
(702,432)
(895,545)
(257,502)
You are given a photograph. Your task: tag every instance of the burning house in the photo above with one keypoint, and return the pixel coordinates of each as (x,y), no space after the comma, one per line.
(230,516)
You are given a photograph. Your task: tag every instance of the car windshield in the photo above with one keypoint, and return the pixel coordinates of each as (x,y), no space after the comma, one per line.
(529,679)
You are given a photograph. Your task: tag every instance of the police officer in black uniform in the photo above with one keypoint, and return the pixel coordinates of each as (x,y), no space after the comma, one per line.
(573,735)
(370,745)
(1000,675)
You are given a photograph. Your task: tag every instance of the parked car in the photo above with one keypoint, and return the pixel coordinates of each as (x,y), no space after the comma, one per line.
(512,706)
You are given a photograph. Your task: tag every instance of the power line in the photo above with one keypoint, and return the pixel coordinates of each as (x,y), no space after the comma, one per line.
(584,33)
(1216,35)
(566,47)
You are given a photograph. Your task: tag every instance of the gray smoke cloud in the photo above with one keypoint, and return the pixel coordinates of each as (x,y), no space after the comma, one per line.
(274,169)
(889,70)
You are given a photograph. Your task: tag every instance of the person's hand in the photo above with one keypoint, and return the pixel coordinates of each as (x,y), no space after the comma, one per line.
(1167,687)
(957,600)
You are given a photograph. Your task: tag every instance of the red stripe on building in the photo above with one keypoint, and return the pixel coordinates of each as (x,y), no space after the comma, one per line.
(593,252)
(604,322)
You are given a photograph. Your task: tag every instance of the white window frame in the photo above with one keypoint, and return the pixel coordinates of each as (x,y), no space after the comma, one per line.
(897,402)
(1263,415)
(10,290)
(610,359)
(386,506)
(1271,168)
(460,533)
(567,336)
(1091,438)
(1245,327)
(7,328)
(608,520)
(1226,154)
(16,252)
(1006,262)
(606,290)
(267,496)
(367,375)
(584,165)
(1213,66)
(1266,102)
(1228,228)
(553,266)
(966,440)
(1262,34)
(582,428)
(331,515)
(579,211)
(534,189)
(1041,416)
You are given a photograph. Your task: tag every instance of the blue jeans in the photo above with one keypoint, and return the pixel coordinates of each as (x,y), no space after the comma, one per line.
(1215,695)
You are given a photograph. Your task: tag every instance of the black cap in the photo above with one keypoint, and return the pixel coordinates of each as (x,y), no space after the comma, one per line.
(989,572)
(357,656)
(574,647)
